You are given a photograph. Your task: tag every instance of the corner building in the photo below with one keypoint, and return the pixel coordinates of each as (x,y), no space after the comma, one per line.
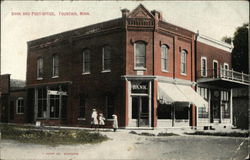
(138,66)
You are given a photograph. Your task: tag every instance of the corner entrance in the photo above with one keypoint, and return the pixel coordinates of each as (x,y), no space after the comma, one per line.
(140,110)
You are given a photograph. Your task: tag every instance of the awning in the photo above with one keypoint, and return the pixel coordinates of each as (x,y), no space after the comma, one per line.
(172,93)
(169,93)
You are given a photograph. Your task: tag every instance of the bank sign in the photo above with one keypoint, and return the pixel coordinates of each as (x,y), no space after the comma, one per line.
(139,87)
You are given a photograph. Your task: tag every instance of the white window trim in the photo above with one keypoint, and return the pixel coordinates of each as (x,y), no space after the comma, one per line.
(184,73)
(139,68)
(202,66)
(105,70)
(165,70)
(19,98)
(226,64)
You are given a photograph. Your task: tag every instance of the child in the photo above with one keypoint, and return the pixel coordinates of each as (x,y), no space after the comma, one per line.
(101,120)
(115,122)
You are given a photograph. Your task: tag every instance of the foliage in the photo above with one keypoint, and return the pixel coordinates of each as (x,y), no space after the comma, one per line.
(167,134)
(240,50)
(50,137)
(227,134)
(227,39)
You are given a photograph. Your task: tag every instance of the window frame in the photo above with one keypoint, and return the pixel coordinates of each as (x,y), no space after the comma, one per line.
(204,58)
(165,58)
(85,62)
(55,67)
(184,52)
(217,69)
(106,59)
(19,107)
(135,56)
(39,68)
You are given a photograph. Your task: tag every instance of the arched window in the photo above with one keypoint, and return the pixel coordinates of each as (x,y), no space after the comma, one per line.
(40,68)
(183,62)
(140,55)
(164,58)
(20,105)
(86,61)
(106,58)
(55,69)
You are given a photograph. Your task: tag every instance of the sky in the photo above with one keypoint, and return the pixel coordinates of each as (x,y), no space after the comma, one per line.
(212,18)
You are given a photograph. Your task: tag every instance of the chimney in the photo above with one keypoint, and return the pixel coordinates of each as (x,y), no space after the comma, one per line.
(125,12)
(157,14)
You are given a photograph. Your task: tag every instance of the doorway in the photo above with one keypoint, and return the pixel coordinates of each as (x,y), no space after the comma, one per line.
(215,106)
(140,110)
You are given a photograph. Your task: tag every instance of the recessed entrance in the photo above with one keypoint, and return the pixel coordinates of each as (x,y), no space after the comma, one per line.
(140,110)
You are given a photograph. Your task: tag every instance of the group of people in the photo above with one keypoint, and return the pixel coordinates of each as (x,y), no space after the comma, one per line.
(99,120)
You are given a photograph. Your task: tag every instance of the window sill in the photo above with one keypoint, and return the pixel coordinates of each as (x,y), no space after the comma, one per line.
(105,71)
(184,74)
(140,69)
(81,119)
(39,78)
(165,71)
(85,73)
(55,77)
(19,113)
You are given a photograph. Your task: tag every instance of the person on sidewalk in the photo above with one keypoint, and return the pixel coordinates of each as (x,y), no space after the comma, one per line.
(94,120)
(115,122)
(101,120)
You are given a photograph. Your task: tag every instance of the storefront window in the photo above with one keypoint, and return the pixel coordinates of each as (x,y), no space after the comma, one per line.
(164,111)
(181,112)
(54,104)
(42,103)
(203,113)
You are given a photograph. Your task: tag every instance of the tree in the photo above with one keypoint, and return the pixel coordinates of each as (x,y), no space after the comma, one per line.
(240,51)
(227,39)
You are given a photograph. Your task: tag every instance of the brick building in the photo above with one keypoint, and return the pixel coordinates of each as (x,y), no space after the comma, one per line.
(138,66)
(12,100)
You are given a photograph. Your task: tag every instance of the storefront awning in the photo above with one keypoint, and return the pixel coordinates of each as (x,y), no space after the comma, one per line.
(172,93)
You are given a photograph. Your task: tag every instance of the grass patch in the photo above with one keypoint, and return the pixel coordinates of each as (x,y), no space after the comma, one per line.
(132,132)
(167,134)
(225,134)
(146,134)
(50,137)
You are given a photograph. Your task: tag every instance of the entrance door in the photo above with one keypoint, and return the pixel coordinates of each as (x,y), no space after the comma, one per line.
(215,106)
(140,110)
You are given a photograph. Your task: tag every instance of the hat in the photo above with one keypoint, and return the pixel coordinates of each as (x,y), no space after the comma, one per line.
(93,109)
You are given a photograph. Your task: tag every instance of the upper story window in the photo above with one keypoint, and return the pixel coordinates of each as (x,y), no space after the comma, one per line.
(55,60)
(164,58)
(183,62)
(226,68)
(20,105)
(40,68)
(106,58)
(215,68)
(86,61)
(140,55)
(203,66)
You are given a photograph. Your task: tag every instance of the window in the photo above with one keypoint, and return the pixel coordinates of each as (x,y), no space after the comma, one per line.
(54,104)
(140,55)
(82,106)
(215,68)
(110,106)
(203,92)
(164,111)
(86,61)
(55,66)
(164,58)
(203,66)
(226,68)
(203,112)
(183,62)
(40,68)
(42,102)
(106,58)
(20,106)
(225,104)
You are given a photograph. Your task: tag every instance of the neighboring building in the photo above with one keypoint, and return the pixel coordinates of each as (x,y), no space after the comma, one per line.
(13,98)
(241,107)
(215,81)
(139,67)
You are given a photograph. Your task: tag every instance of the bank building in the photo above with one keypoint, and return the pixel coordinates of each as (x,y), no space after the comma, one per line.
(150,73)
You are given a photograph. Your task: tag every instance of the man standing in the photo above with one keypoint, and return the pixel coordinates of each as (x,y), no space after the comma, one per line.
(94,120)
